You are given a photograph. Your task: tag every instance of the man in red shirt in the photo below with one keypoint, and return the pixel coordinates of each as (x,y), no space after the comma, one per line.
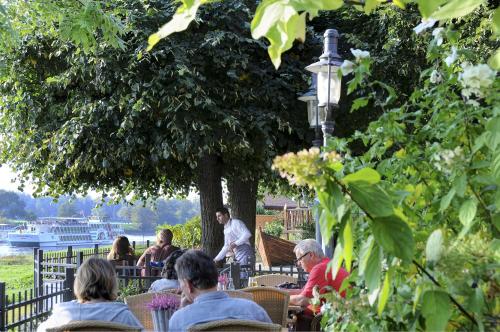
(311,258)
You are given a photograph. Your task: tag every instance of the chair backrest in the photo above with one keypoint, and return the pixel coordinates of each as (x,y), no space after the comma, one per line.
(235,325)
(93,325)
(316,323)
(273,300)
(273,279)
(137,304)
(239,294)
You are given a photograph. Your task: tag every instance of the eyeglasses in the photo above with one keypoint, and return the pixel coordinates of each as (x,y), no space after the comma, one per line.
(296,261)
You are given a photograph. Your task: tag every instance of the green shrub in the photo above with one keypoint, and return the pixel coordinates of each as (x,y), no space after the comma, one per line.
(187,235)
(274,228)
(308,231)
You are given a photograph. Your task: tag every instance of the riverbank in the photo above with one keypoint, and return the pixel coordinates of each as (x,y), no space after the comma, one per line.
(17,273)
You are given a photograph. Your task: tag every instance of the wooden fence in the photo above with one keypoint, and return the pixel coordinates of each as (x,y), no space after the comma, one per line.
(54,274)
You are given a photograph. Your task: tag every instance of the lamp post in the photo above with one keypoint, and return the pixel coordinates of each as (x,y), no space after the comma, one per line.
(328,86)
(315,114)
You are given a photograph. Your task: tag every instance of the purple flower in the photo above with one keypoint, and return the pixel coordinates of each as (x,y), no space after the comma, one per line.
(223,279)
(164,302)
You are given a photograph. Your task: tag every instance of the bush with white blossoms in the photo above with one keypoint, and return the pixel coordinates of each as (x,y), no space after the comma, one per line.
(475,79)
(348,67)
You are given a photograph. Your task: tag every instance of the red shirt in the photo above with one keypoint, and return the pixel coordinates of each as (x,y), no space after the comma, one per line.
(317,277)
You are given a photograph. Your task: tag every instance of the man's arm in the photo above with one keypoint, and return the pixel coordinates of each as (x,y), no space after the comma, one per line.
(299,300)
(242,231)
(222,253)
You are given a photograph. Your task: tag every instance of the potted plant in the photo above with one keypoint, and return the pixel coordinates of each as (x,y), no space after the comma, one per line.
(162,307)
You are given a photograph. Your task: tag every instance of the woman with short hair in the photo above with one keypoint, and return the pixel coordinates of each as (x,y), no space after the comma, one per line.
(96,289)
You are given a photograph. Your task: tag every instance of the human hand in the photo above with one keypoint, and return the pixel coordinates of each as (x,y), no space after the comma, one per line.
(232,245)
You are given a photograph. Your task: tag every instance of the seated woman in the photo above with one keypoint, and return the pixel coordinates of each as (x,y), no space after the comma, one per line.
(121,251)
(160,251)
(169,276)
(96,289)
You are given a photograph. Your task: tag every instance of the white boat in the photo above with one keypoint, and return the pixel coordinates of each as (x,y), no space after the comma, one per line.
(53,231)
(4,231)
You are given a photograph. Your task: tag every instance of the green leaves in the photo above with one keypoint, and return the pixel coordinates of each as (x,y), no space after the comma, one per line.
(456,8)
(370,264)
(372,198)
(368,175)
(179,22)
(280,22)
(436,310)
(467,212)
(386,289)
(395,236)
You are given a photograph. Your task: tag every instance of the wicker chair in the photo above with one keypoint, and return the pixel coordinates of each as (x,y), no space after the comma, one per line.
(236,325)
(239,294)
(316,323)
(273,279)
(93,325)
(273,300)
(137,304)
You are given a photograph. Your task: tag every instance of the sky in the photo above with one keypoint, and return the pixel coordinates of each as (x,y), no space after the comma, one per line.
(6,177)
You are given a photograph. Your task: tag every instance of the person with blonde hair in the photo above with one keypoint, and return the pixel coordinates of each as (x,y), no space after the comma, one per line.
(160,251)
(121,250)
(96,289)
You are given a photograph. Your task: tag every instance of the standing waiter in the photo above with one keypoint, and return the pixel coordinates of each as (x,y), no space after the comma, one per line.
(236,238)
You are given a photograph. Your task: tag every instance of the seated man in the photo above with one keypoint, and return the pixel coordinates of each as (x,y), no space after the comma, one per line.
(198,276)
(311,258)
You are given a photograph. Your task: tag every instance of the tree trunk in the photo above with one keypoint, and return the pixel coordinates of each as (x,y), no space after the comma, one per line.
(243,201)
(209,184)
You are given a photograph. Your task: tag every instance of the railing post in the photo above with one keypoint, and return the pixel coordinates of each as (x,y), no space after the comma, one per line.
(147,272)
(133,245)
(79,259)
(39,270)
(234,272)
(147,243)
(3,315)
(96,249)
(68,284)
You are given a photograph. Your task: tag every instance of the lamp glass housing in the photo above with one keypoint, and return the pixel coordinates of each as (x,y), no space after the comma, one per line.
(312,109)
(335,83)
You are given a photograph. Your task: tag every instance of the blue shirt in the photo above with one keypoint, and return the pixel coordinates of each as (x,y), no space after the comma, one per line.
(214,306)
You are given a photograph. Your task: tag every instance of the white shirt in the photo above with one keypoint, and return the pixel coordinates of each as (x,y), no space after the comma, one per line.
(234,231)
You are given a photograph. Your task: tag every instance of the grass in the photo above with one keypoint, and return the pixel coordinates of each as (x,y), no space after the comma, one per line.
(17,273)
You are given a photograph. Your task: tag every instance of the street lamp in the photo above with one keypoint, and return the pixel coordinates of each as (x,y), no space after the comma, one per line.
(328,86)
(315,114)
(328,80)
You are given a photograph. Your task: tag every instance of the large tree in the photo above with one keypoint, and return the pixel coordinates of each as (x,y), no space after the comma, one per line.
(204,105)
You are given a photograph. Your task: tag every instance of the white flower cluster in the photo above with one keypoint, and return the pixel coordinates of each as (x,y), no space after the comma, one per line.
(436,77)
(424,25)
(444,159)
(438,35)
(475,79)
(347,66)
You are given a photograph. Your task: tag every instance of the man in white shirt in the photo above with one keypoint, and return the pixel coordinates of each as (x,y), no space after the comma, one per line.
(236,238)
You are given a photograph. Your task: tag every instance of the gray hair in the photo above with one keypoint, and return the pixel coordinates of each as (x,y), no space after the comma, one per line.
(198,268)
(309,245)
(96,279)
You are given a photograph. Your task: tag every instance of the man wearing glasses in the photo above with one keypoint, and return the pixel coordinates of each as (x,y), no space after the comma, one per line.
(311,258)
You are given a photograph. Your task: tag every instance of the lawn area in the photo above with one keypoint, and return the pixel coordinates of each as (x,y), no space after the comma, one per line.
(17,273)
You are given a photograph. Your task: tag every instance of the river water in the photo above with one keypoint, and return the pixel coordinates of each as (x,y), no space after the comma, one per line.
(6,250)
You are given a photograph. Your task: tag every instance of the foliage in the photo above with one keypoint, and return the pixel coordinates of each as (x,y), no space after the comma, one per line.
(187,235)
(67,209)
(11,206)
(282,21)
(260,210)
(418,209)
(308,231)
(274,228)
(132,288)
